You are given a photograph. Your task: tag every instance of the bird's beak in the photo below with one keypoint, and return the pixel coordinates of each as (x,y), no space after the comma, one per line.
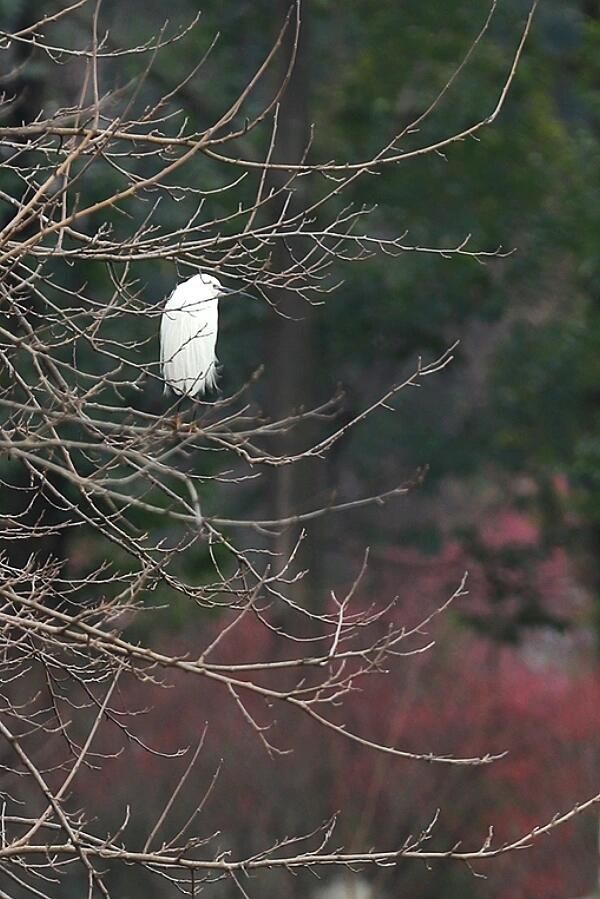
(231,292)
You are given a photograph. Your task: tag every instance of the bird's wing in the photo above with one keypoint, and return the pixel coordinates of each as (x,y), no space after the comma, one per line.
(188,340)
(204,326)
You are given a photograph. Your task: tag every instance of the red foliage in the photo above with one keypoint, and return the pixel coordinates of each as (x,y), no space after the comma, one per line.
(465,696)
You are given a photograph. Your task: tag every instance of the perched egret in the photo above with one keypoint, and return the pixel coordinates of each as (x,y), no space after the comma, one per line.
(188,336)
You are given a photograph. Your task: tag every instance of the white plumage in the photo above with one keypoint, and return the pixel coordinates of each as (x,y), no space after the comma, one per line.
(188,336)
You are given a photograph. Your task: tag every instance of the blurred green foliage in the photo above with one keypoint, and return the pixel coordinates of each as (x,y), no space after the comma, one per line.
(529,182)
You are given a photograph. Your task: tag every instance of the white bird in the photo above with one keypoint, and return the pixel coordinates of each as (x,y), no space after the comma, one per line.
(188,336)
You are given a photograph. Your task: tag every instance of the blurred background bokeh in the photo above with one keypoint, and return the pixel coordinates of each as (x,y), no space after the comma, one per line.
(510,432)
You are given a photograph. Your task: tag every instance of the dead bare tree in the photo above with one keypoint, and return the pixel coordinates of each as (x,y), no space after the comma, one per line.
(87,188)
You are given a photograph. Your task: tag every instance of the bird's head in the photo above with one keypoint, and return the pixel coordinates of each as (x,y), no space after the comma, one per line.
(210,286)
(207,287)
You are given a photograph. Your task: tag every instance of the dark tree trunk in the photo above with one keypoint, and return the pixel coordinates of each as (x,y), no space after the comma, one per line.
(291,353)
